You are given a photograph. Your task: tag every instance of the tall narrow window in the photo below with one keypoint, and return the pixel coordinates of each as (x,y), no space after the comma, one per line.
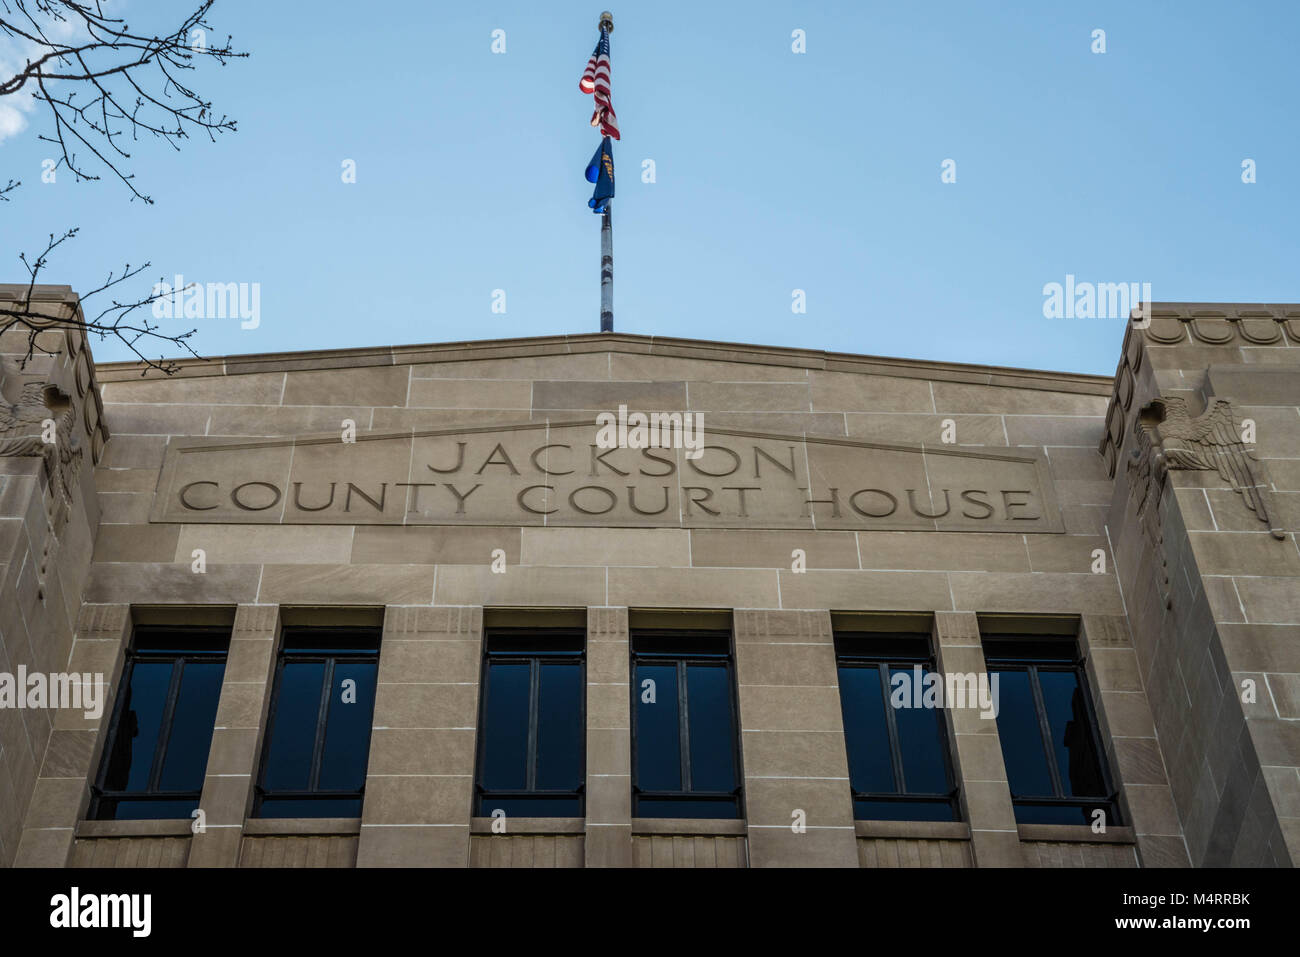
(156,751)
(684,755)
(531,759)
(897,744)
(1048,731)
(318,738)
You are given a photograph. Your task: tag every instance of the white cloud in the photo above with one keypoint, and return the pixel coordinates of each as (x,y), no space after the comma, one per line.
(16,52)
(14,106)
(12,121)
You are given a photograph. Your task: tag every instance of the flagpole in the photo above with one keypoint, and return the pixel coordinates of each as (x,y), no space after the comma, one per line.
(607,236)
(607,271)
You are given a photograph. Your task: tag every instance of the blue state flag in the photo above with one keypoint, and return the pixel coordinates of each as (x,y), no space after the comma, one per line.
(601,172)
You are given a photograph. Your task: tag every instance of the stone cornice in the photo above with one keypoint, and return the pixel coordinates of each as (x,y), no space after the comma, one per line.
(1223,324)
(630,344)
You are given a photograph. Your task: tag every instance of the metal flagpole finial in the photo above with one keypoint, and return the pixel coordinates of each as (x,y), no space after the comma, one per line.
(607,22)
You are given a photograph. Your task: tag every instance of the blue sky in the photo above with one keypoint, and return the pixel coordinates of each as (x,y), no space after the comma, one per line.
(775,171)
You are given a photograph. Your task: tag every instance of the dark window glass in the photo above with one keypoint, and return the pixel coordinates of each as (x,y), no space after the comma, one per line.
(685,759)
(1049,737)
(1022,739)
(1068,724)
(712,737)
(923,745)
(347,729)
(658,737)
(560,730)
(161,731)
(196,708)
(898,755)
(866,728)
(532,759)
(318,733)
(292,740)
(136,741)
(506,708)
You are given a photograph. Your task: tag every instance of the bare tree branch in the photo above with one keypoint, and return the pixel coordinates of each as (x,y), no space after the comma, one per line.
(121,319)
(107,84)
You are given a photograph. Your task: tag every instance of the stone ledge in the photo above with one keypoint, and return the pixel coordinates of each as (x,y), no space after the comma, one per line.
(915,830)
(167,828)
(269,826)
(1075,833)
(530,825)
(704,827)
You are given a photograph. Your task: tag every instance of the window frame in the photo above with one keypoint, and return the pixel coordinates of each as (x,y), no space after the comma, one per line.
(330,658)
(100,794)
(883,661)
(533,659)
(725,659)
(1068,659)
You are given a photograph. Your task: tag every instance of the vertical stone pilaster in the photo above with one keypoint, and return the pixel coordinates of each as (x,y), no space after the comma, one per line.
(977,750)
(1132,751)
(62,788)
(792,739)
(1209,584)
(48,522)
(237,737)
(420,778)
(608,841)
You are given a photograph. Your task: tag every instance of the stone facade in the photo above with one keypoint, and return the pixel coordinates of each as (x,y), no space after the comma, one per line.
(1129,510)
(1210,570)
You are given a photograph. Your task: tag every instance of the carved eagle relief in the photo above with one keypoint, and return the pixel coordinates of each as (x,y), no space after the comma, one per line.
(25,416)
(1170,438)
(23,433)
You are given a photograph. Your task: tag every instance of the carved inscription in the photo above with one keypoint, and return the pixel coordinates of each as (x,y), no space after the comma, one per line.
(534,474)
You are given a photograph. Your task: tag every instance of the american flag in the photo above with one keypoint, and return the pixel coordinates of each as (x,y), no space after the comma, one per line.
(595,80)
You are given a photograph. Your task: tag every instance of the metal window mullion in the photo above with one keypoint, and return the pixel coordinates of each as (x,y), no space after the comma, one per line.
(683,726)
(582,711)
(633,673)
(485,694)
(322,724)
(119,705)
(534,707)
(891,723)
(737,770)
(268,740)
(1094,729)
(1045,731)
(165,727)
(945,745)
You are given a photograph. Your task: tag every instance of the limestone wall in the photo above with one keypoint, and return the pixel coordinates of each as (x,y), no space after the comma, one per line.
(48,515)
(189,456)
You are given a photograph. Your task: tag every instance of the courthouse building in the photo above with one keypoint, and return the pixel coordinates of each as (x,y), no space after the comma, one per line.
(410,606)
